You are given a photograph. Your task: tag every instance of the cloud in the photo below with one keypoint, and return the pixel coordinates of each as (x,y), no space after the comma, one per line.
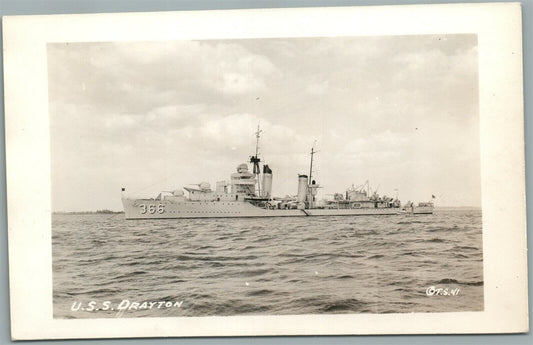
(136,77)
(399,110)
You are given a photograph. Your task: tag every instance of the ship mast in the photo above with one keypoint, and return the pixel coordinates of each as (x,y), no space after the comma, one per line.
(311,185)
(311,165)
(255,160)
(257,135)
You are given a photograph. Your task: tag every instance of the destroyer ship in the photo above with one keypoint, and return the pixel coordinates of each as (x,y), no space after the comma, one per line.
(248,193)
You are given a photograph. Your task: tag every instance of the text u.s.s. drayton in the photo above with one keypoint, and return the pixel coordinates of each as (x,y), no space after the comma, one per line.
(123,305)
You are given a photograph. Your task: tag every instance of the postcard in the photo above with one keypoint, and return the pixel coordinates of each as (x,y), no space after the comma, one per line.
(305,171)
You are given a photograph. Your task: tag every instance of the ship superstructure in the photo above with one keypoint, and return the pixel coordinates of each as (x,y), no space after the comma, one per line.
(248,193)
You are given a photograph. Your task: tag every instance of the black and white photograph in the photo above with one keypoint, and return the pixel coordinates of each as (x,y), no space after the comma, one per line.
(269,176)
(266,176)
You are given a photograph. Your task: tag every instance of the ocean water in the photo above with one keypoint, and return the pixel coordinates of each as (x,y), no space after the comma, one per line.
(106,266)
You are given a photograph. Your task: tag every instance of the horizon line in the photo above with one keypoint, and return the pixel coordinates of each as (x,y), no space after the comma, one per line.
(104,211)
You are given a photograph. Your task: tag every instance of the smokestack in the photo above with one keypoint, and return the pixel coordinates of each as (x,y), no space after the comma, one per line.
(302,188)
(267,181)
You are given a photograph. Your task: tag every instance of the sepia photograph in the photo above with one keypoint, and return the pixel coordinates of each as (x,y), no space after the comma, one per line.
(265,176)
(223,173)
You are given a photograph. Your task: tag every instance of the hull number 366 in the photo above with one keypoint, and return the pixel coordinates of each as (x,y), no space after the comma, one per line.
(152,208)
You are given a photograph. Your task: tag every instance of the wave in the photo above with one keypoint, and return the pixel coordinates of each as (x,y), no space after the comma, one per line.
(253,273)
(464,248)
(346,276)
(232,307)
(410,253)
(454,281)
(346,305)
(206,264)
(261,292)
(130,275)
(105,291)
(436,240)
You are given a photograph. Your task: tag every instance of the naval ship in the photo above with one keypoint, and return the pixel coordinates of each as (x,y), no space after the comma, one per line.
(248,193)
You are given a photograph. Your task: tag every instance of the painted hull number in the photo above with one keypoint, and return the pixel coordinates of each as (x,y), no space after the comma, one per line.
(152,209)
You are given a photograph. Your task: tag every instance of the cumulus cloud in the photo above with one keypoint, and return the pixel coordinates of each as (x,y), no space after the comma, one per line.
(399,110)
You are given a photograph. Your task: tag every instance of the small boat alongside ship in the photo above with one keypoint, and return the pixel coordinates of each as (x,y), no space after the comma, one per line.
(249,194)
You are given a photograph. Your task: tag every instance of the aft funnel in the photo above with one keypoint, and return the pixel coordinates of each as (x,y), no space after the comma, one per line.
(302,188)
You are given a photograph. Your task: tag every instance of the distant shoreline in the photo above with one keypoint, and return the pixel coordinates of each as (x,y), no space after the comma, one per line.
(458,208)
(89,212)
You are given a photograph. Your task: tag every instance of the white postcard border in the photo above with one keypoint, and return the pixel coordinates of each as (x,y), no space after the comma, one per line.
(498,27)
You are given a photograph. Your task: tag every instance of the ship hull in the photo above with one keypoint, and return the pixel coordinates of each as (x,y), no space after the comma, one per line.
(161,209)
(423,210)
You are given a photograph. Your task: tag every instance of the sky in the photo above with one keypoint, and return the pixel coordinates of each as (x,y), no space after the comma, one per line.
(398,111)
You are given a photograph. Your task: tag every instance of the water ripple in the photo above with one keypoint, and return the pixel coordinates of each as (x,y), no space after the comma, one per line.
(268,266)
